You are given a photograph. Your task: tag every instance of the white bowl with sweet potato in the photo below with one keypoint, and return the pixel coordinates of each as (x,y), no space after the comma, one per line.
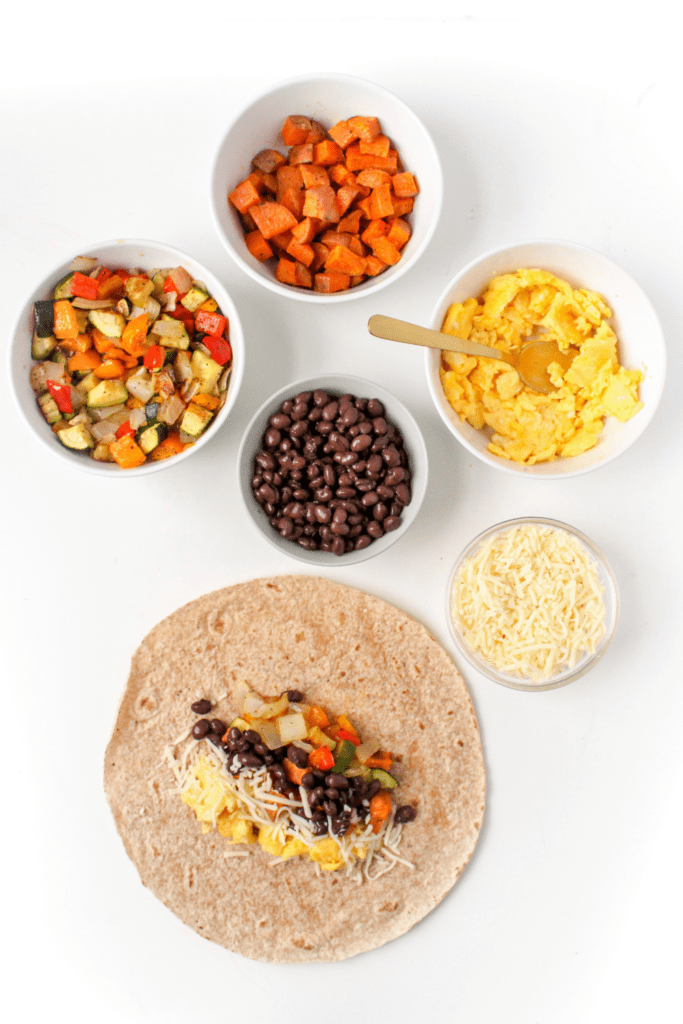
(326,188)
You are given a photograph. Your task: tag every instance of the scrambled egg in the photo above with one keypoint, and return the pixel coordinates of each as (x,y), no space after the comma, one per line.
(215,804)
(527,426)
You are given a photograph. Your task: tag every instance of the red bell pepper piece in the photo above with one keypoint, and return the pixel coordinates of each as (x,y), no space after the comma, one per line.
(211,323)
(170,285)
(321,758)
(61,394)
(219,348)
(180,313)
(154,357)
(124,429)
(84,287)
(344,734)
(104,275)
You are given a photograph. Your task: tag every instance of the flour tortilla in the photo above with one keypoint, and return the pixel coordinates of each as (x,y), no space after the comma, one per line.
(351,653)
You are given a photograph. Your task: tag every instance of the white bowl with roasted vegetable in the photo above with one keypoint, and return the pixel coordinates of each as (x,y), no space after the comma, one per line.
(127,358)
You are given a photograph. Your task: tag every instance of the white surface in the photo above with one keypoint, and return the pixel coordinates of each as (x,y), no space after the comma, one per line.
(570,910)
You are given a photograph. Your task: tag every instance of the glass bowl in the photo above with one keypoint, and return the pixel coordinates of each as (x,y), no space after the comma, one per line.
(566,674)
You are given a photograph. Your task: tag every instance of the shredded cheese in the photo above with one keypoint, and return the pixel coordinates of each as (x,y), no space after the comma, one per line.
(529,601)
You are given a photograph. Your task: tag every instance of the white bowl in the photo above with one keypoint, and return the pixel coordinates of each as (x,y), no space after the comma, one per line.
(127,252)
(395,412)
(567,674)
(641,345)
(327,98)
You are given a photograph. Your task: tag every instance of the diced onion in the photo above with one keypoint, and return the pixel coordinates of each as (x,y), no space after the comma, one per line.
(141,387)
(80,303)
(292,727)
(181,279)
(240,692)
(170,410)
(367,749)
(137,418)
(268,733)
(273,710)
(169,328)
(83,264)
(251,704)
(303,746)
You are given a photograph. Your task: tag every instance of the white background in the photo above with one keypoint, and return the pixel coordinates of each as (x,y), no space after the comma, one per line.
(561,125)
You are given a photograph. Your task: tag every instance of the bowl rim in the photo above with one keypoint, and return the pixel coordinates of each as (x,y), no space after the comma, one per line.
(106,470)
(302,294)
(325,559)
(645,415)
(569,675)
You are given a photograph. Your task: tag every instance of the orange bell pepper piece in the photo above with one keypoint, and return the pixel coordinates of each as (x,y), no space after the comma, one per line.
(380,806)
(109,369)
(66,324)
(171,445)
(89,360)
(134,335)
(127,453)
(382,759)
(317,716)
(293,773)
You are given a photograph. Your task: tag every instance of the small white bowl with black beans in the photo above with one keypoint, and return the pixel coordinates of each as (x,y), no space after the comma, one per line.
(313,485)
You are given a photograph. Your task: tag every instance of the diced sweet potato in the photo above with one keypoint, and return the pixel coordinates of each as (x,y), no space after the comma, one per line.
(296,129)
(301,154)
(266,182)
(345,196)
(320,254)
(282,241)
(344,261)
(404,185)
(366,128)
(379,146)
(314,174)
(288,177)
(306,230)
(317,133)
(350,223)
(327,153)
(357,161)
(245,195)
(272,218)
(331,281)
(302,253)
(364,206)
(371,177)
(285,272)
(402,207)
(293,200)
(343,134)
(355,245)
(356,279)
(248,222)
(331,238)
(303,276)
(268,160)
(386,251)
(380,203)
(374,265)
(399,232)
(341,175)
(320,202)
(375,229)
(257,245)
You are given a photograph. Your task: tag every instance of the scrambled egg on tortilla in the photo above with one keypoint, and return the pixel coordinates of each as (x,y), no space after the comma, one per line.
(529,427)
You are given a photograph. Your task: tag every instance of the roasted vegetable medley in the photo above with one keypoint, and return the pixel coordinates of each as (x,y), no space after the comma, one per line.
(131,366)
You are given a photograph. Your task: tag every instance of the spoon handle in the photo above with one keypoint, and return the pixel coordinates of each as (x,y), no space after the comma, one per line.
(400,330)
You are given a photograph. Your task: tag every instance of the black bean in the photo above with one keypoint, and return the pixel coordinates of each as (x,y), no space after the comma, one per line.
(297,756)
(404,814)
(250,760)
(200,729)
(330,808)
(295,696)
(373,789)
(261,749)
(251,736)
(391,523)
(337,781)
(308,781)
(200,707)
(234,733)
(218,726)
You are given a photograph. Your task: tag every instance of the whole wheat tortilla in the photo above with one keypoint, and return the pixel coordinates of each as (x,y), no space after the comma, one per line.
(351,653)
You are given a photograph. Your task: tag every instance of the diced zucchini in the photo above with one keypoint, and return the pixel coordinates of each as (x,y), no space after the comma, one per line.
(107,392)
(41,348)
(88,383)
(49,408)
(239,723)
(388,781)
(193,299)
(179,338)
(102,453)
(108,321)
(138,290)
(344,755)
(63,288)
(82,320)
(206,370)
(195,420)
(45,317)
(159,280)
(148,437)
(77,437)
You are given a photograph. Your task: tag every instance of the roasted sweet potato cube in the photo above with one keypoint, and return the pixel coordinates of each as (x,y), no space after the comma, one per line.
(356,279)
(351,222)
(282,240)
(293,200)
(327,153)
(248,222)
(374,265)
(295,130)
(341,175)
(404,185)
(403,206)
(380,203)
(399,232)
(366,128)
(364,206)
(331,281)
(288,177)
(268,160)
(320,254)
(304,278)
(345,261)
(272,218)
(314,174)
(371,177)
(345,196)
(301,253)
(245,195)
(343,134)
(357,161)
(386,251)
(379,146)
(257,245)
(301,154)
(331,238)
(320,202)
(317,132)
(306,230)
(355,245)
(285,272)
(375,229)
(264,182)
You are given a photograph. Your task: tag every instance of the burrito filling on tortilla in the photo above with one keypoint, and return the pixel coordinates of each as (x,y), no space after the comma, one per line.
(286,775)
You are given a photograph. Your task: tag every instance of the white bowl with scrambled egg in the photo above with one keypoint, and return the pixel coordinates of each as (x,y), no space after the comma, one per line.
(578,296)
(532,604)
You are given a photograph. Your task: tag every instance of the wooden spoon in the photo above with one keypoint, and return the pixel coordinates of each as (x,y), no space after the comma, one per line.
(531,363)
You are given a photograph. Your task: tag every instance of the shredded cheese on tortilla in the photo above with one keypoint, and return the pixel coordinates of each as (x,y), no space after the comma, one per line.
(220,799)
(529,601)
